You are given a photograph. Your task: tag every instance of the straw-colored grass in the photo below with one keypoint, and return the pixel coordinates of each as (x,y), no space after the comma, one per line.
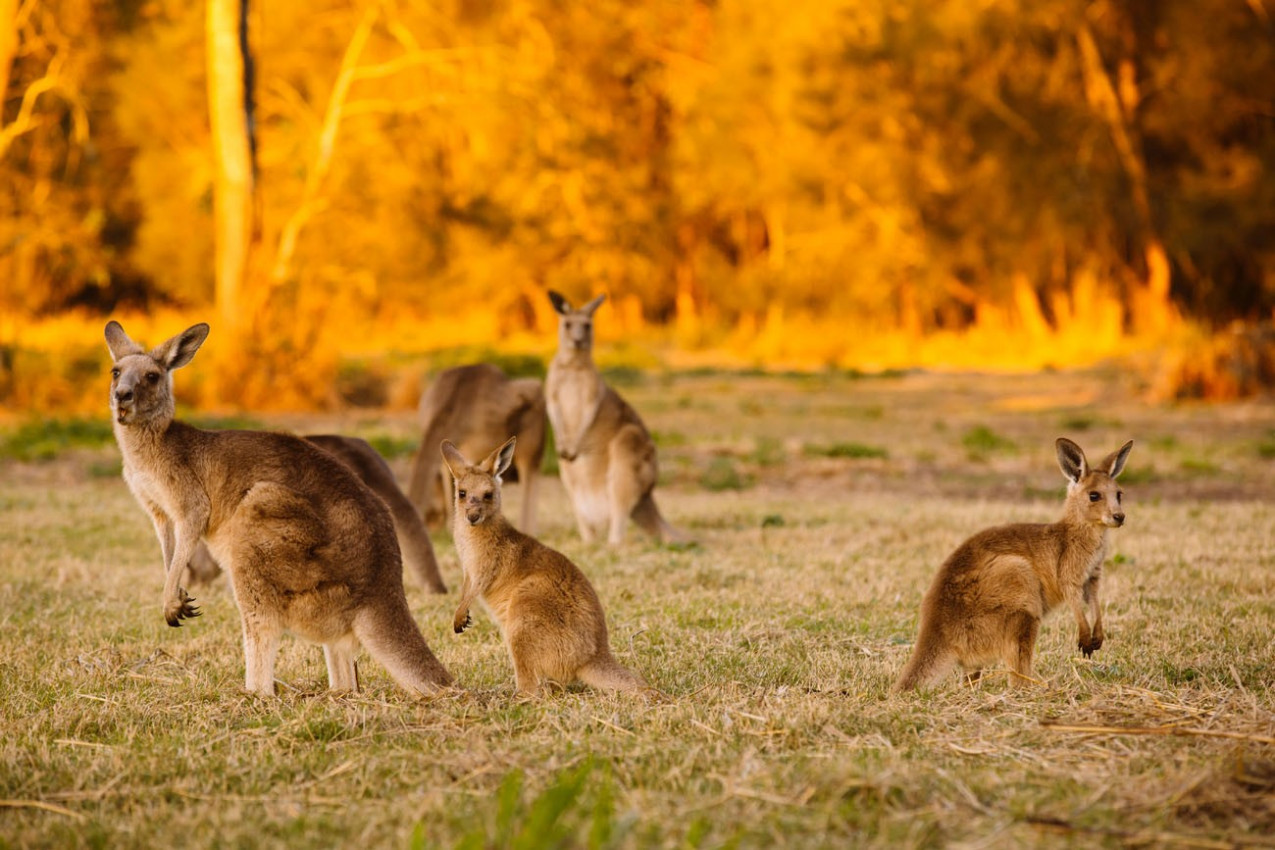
(776,641)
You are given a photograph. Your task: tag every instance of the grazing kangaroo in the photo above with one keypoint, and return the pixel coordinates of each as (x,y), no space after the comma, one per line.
(988,598)
(546,609)
(477,406)
(367,463)
(607,458)
(308,547)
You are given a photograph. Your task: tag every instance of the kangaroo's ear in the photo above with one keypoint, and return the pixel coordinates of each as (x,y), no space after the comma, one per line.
(593,305)
(119,343)
(179,350)
(560,304)
(1071,459)
(456,463)
(499,460)
(1114,462)
(505,455)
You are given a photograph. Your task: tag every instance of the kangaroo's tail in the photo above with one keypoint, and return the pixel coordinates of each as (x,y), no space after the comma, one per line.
(606,672)
(413,539)
(648,517)
(930,662)
(390,635)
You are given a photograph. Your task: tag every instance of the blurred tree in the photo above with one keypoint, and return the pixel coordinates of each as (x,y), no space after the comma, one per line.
(67,213)
(864,166)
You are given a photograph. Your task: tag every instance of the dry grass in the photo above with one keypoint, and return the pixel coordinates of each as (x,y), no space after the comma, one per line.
(776,640)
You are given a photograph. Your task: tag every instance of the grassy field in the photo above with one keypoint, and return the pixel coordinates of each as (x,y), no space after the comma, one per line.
(822,505)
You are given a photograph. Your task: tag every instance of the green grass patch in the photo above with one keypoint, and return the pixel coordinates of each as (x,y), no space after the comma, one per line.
(669,439)
(722,473)
(1199,466)
(767,451)
(45,439)
(980,442)
(391,447)
(623,376)
(1086,421)
(855,451)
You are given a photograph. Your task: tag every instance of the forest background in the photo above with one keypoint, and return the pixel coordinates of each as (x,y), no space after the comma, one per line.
(854,184)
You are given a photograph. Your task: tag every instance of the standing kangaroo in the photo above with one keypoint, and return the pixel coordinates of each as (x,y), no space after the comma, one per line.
(476,406)
(546,609)
(607,458)
(308,547)
(988,598)
(371,468)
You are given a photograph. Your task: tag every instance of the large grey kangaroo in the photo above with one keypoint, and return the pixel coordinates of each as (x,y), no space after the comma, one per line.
(606,456)
(308,547)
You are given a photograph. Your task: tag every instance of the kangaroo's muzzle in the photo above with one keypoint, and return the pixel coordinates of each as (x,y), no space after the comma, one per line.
(123,405)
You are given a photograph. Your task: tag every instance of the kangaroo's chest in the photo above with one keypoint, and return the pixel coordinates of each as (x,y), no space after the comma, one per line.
(1080,564)
(577,395)
(147,488)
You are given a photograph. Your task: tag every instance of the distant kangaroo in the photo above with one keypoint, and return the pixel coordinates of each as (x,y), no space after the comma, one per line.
(546,609)
(367,463)
(477,406)
(608,463)
(988,598)
(309,548)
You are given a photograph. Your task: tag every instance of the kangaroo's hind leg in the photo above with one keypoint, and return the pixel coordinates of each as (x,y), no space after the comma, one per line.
(631,474)
(261,638)
(343,671)
(1024,628)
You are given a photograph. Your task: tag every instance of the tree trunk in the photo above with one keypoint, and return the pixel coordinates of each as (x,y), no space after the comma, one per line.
(1117,102)
(233,181)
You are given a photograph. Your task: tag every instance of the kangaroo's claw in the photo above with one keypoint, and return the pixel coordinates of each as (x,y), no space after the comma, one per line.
(459,626)
(183,611)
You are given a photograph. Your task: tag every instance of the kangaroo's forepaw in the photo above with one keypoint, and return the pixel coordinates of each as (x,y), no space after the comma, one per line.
(182,609)
(1091,645)
(459,625)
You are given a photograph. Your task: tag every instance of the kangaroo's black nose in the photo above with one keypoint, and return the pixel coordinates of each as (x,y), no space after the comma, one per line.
(1119,518)
(124,395)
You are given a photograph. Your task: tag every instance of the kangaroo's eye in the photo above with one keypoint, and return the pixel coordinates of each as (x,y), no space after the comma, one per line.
(152,378)
(1094,495)
(486,497)
(460,494)
(115,373)
(1119,496)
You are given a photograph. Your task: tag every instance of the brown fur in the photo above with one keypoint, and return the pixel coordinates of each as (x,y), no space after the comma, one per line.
(989,596)
(367,463)
(547,611)
(476,406)
(606,456)
(308,547)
